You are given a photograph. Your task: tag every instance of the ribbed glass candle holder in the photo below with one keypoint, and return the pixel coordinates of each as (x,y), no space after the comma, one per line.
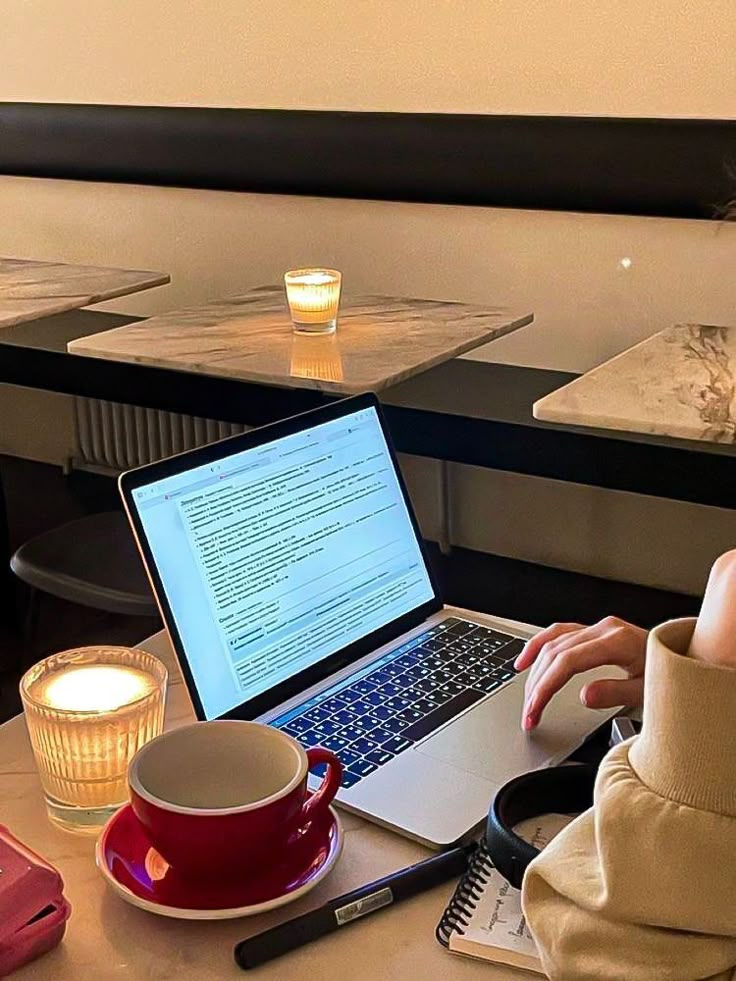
(88,711)
(313,296)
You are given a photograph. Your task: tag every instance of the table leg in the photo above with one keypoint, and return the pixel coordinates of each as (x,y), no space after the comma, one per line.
(444,538)
(8,610)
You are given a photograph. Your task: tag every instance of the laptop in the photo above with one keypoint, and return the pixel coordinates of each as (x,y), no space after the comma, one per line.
(292,578)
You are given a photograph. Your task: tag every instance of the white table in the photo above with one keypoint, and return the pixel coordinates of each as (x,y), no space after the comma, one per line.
(108,939)
(676,383)
(380,340)
(30,289)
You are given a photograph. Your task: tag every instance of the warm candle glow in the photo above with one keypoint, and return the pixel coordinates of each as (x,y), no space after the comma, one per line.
(313,296)
(88,711)
(315,279)
(96,688)
(316,356)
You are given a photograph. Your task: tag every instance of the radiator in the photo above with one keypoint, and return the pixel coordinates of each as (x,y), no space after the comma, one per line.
(109,437)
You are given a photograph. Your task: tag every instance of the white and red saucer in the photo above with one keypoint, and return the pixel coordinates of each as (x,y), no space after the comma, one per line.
(137,873)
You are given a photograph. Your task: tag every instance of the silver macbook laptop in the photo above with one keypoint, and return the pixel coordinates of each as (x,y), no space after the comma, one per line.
(292,578)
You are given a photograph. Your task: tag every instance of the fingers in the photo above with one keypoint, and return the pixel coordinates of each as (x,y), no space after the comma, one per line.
(553,647)
(570,651)
(534,646)
(558,667)
(612,693)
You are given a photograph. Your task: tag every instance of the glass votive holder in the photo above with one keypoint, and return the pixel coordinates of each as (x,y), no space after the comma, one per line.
(313,296)
(88,711)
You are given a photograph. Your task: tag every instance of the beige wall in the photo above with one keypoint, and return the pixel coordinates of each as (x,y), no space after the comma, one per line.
(566,268)
(549,56)
(621,57)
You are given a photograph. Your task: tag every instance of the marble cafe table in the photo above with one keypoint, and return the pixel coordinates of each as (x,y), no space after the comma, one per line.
(380,340)
(30,290)
(466,411)
(681,383)
(109,940)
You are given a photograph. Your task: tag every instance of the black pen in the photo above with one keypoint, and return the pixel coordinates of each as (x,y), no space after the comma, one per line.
(352,906)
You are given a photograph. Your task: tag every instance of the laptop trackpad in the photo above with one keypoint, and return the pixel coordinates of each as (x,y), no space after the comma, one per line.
(488,741)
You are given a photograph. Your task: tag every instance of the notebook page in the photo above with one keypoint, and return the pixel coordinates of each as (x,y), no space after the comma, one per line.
(497,930)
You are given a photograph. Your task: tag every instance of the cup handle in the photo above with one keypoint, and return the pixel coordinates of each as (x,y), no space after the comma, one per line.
(322,798)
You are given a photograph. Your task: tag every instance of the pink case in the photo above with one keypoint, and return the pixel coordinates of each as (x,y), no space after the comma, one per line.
(33,910)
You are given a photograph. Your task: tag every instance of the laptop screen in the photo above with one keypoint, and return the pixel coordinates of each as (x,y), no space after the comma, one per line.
(277,556)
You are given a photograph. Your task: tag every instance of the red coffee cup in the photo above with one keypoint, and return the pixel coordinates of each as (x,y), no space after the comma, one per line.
(217,798)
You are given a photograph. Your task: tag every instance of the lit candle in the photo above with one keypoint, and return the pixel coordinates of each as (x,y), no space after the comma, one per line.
(313,296)
(88,711)
(97,688)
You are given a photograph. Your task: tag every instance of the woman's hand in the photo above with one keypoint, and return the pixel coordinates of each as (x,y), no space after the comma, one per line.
(565,649)
(714,639)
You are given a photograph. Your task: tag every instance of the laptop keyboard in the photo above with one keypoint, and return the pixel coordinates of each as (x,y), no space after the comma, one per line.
(404,696)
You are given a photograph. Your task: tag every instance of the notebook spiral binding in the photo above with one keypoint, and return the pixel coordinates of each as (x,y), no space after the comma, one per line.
(466,896)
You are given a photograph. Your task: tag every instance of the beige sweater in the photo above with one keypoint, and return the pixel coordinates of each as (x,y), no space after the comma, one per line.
(643,886)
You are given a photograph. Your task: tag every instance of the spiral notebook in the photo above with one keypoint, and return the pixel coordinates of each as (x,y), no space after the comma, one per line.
(484,918)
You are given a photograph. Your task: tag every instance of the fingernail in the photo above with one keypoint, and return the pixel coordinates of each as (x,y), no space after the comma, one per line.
(516,663)
(528,723)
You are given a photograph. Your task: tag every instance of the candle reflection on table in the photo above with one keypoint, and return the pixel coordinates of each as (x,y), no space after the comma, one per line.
(316,356)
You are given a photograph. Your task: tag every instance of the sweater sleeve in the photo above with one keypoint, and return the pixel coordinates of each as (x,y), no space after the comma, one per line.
(642,886)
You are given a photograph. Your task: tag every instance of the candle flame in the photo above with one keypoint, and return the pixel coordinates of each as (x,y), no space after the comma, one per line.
(95,688)
(313,279)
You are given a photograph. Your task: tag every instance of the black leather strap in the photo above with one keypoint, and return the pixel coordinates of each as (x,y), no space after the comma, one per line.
(556,790)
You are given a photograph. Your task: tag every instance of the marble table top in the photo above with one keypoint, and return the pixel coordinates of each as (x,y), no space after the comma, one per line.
(109,940)
(680,382)
(30,289)
(380,340)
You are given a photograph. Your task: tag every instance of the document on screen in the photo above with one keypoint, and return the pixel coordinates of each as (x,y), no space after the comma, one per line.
(303,551)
